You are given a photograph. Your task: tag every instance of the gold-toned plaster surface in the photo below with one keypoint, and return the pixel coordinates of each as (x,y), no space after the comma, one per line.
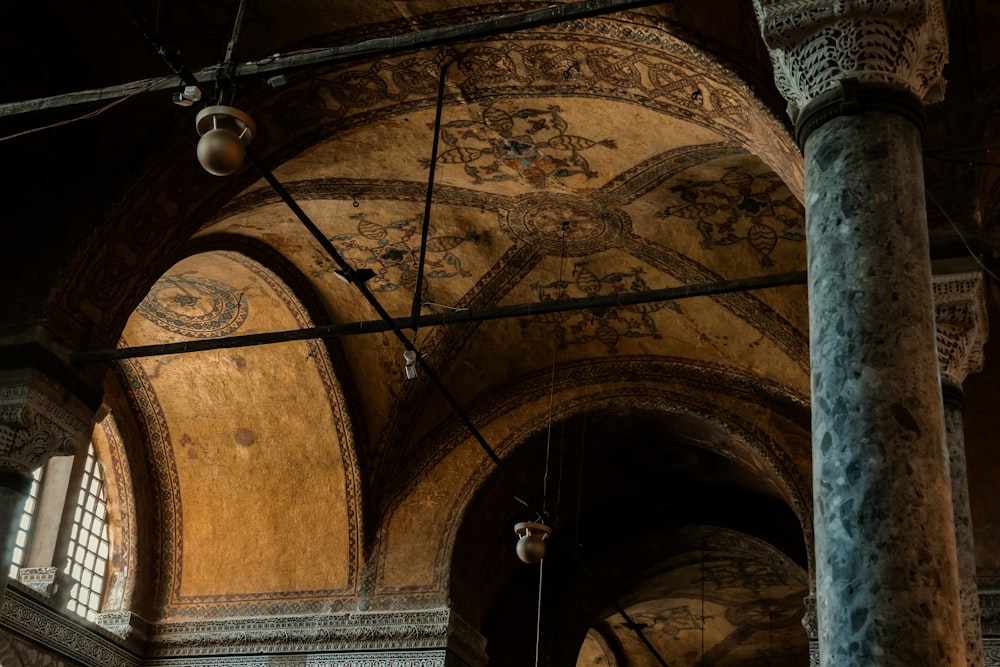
(254,443)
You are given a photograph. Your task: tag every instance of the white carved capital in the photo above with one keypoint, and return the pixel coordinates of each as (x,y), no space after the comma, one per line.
(815,44)
(42,580)
(962,325)
(35,427)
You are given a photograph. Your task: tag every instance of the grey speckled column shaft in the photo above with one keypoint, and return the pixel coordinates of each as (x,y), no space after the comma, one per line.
(954,422)
(886,575)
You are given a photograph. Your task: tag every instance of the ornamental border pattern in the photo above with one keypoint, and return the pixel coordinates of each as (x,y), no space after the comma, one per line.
(395,639)
(446,343)
(354,631)
(991,651)
(34,621)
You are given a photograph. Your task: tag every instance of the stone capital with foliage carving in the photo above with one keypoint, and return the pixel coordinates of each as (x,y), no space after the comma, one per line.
(962,325)
(34,426)
(816,44)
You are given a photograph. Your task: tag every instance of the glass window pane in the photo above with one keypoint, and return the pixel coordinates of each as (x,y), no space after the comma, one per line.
(89,546)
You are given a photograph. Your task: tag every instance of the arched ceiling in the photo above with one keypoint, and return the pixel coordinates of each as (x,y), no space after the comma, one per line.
(569,166)
(252,448)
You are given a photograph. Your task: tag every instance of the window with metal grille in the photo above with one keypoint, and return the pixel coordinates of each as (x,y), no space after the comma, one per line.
(88,546)
(24,527)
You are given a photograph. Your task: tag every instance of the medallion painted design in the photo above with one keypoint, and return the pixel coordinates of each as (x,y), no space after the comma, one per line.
(534,145)
(740,208)
(392,251)
(194,306)
(607,326)
(563,225)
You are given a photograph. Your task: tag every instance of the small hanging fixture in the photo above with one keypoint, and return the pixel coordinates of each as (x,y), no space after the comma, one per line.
(531,546)
(225,133)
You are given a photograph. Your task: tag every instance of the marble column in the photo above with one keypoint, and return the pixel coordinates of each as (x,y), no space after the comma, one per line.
(962,330)
(855,76)
(36,423)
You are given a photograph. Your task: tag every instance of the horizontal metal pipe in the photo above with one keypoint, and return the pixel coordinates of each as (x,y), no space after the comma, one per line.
(597,304)
(373,48)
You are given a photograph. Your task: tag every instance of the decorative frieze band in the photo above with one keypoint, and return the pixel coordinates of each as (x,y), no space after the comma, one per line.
(354,631)
(420,638)
(815,44)
(34,427)
(27,617)
(433,658)
(962,325)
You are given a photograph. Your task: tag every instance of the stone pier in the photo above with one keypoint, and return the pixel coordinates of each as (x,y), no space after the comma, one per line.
(856,77)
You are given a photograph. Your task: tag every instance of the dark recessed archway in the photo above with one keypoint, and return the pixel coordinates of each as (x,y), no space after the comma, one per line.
(643,501)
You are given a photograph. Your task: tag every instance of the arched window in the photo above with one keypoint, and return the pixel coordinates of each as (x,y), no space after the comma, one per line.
(63,542)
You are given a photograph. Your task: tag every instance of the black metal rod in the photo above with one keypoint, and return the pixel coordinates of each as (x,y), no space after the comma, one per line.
(596,303)
(424,229)
(373,48)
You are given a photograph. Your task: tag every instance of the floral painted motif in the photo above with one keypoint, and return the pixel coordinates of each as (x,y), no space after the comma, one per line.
(607,325)
(392,251)
(741,207)
(530,144)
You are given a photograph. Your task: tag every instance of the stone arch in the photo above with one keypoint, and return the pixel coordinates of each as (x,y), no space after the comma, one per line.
(772,434)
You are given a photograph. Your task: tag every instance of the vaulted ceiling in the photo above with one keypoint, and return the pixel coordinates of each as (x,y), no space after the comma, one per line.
(608,155)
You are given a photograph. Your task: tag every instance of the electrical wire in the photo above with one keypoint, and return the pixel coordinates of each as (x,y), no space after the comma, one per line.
(701,663)
(579,483)
(237,25)
(68,121)
(538,622)
(552,380)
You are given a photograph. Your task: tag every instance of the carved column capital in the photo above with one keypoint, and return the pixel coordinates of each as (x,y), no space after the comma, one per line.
(962,325)
(43,580)
(816,44)
(36,425)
